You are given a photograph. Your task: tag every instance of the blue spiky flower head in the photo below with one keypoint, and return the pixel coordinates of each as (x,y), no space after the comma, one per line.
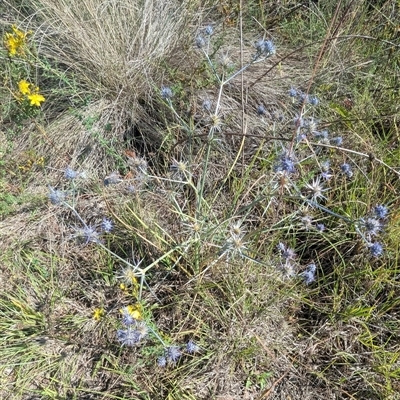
(166,93)
(380,211)
(191,347)
(376,249)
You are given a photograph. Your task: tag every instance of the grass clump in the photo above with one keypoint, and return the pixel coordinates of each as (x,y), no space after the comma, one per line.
(222,227)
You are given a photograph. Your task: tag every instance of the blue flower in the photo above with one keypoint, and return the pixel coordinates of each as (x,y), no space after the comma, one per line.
(261,110)
(166,93)
(173,353)
(112,179)
(372,226)
(376,249)
(313,100)
(309,274)
(292,92)
(127,318)
(192,347)
(285,164)
(90,234)
(128,337)
(207,105)
(298,121)
(346,169)
(200,42)
(380,211)
(209,30)
(56,196)
(286,252)
(320,227)
(265,47)
(337,141)
(162,362)
(69,173)
(107,225)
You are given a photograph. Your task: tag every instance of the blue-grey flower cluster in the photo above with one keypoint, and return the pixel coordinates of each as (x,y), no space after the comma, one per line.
(134,333)
(309,274)
(172,354)
(166,93)
(265,48)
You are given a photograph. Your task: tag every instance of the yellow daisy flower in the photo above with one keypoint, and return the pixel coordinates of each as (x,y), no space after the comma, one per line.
(23,86)
(98,314)
(15,42)
(36,99)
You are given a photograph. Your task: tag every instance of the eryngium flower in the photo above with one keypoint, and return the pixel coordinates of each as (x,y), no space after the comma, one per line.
(261,110)
(192,347)
(209,30)
(380,211)
(90,234)
(346,169)
(200,42)
(56,196)
(265,47)
(207,105)
(166,93)
(129,336)
(376,249)
(309,274)
(107,225)
(337,141)
(286,252)
(173,353)
(285,164)
(162,362)
(372,226)
(69,173)
(292,92)
(316,189)
(313,100)
(112,179)
(133,334)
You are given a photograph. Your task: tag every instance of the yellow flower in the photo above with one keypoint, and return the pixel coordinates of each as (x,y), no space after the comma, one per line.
(98,314)
(133,311)
(15,42)
(23,86)
(36,99)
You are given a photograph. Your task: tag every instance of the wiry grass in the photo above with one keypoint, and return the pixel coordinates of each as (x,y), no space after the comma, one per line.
(207,199)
